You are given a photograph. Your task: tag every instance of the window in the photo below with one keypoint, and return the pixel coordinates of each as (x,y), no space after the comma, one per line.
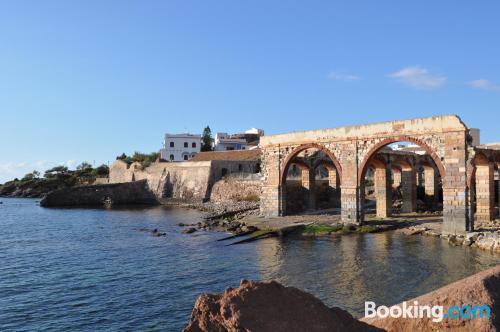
(186,157)
(240,167)
(193,145)
(172,156)
(172,144)
(257,168)
(186,144)
(224,172)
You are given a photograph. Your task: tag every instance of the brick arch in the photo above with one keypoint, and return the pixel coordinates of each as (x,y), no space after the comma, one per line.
(479,159)
(381,144)
(303,147)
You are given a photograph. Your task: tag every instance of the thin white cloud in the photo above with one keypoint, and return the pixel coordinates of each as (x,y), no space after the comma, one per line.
(69,163)
(339,76)
(419,78)
(483,84)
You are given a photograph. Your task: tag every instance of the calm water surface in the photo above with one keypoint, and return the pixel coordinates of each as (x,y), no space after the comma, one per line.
(94,270)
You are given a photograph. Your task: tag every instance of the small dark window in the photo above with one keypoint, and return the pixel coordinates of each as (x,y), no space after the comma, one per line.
(193,145)
(186,144)
(224,172)
(243,148)
(240,167)
(172,144)
(172,157)
(257,168)
(186,157)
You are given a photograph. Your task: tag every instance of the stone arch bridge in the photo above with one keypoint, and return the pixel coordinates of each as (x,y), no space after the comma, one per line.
(446,140)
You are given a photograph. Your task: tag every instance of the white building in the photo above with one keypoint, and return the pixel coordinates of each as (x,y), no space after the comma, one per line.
(180,147)
(244,141)
(224,142)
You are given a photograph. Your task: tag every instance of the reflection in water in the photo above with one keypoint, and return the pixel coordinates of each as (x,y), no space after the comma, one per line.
(92,269)
(387,268)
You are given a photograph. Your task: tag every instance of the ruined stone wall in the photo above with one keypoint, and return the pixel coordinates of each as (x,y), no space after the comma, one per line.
(101,180)
(120,172)
(230,189)
(221,168)
(183,181)
(444,137)
(101,195)
(186,181)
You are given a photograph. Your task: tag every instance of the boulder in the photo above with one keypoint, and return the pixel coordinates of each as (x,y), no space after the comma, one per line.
(480,289)
(455,240)
(189,230)
(268,307)
(489,242)
(414,230)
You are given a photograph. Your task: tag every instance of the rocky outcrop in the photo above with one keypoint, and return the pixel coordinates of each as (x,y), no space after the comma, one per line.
(35,188)
(268,306)
(480,289)
(101,195)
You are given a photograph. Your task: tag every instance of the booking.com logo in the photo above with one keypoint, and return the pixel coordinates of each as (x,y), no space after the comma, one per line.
(437,313)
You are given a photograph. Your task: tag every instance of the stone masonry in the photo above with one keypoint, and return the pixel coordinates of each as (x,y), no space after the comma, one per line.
(445,139)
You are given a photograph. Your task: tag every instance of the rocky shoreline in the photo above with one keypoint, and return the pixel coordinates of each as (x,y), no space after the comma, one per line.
(485,240)
(270,306)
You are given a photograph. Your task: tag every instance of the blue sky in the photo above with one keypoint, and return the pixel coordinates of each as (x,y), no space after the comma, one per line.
(88,80)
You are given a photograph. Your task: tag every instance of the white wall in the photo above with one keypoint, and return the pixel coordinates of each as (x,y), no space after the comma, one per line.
(179,150)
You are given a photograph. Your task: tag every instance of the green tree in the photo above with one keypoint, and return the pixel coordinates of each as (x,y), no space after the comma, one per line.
(84,166)
(123,157)
(101,171)
(206,140)
(28,177)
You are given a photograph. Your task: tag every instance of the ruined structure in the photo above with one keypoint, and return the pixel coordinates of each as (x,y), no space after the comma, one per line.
(466,172)
(190,181)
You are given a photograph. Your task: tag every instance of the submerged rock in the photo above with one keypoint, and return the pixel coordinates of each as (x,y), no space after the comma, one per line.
(414,230)
(155,232)
(189,230)
(480,289)
(268,307)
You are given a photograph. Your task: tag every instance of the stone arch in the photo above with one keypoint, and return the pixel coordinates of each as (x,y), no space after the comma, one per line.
(387,141)
(480,159)
(483,189)
(303,147)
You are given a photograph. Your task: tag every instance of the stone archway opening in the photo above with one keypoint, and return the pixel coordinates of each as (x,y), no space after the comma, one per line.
(310,182)
(400,178)
(485,192)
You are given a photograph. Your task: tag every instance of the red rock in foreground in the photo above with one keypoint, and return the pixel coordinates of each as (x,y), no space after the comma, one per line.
(268,306)
(480,289)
